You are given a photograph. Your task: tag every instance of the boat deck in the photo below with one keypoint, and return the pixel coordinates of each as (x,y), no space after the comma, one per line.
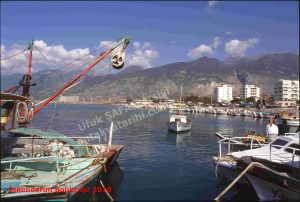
(46,181)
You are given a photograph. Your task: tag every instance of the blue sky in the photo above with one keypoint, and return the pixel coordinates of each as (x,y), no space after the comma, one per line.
(174,31)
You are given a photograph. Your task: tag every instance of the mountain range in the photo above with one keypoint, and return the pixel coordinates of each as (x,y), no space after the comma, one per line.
(197,77)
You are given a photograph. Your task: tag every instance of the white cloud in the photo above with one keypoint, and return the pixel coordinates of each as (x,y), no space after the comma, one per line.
(142,55)
(216,42)
(44,56)
(136,45)
(55,56)
(200,50)
(228,32)
(212,3)
(103,44)
(204,49)
(146,45)
(237,48)
(40,44)
(2,48)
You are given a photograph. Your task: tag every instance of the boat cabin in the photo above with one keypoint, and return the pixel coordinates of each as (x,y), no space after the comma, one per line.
(281,150)
(178,118)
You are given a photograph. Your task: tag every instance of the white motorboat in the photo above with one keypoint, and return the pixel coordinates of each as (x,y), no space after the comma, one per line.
(276,173)
(179,123)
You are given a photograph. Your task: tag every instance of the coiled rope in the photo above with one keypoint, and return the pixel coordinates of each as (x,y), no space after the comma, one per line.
(22,112)
(223,158)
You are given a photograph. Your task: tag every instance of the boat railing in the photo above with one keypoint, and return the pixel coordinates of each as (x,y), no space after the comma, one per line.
(286,134)
(58,167)
(284,147)
(67,137)
(237,141)
(31,159)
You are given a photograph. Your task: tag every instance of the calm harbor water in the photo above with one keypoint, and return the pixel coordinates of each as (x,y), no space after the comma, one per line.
(155,164)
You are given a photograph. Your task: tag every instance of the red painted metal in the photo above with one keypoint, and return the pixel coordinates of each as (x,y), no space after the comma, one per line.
(42,105)
(11,89)
(29,63)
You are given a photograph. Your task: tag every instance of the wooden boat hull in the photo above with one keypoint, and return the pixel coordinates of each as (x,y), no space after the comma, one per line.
(267,191)
(78,181)
(178,126)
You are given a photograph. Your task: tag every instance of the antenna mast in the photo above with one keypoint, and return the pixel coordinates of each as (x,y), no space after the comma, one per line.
(27,77)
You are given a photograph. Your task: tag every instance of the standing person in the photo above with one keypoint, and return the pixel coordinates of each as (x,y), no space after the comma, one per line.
(271,131)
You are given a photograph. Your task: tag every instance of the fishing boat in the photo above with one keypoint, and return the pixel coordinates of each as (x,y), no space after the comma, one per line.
(272,169)
(45,164)
(246,113)
(288,122)
(221,111)
(179,123)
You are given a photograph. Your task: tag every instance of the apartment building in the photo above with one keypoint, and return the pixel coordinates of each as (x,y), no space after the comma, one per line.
(248,91)
(286,90)
(222,93)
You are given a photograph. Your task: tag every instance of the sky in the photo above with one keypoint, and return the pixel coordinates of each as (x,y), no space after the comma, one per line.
(162,31)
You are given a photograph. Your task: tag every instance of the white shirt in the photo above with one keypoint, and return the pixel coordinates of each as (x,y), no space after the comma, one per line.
(272,130)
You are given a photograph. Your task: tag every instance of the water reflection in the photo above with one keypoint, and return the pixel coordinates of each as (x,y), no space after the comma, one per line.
(181,139)
(152,156)
(113,178)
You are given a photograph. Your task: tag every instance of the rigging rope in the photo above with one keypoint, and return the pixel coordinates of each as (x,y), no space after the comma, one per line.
(53,116)
(69,77)
(89,76)
(8,57)
(10,69)
(61,77)
(78,59)
(111,198)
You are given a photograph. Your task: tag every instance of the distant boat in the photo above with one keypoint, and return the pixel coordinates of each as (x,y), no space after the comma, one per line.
(288,122)
(221,111)
(179,123)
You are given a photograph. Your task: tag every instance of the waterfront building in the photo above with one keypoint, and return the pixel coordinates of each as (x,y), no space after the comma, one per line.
(222,93)
(286,90)
(286,103)
(68,99)
(144,102)
(248,91)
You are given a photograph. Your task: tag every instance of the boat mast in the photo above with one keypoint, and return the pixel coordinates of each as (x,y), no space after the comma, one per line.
(261,100)
(27,77)
(180,93)
(124,41)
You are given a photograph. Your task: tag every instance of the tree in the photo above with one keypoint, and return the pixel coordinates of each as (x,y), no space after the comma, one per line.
(251,99)
(205,100)
(191,98)
(236,101)
(128,100)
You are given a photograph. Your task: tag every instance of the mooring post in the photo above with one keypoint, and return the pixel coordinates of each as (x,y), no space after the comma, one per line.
(110,134)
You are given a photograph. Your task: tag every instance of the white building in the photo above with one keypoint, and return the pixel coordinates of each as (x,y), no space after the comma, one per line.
(286,103)
(223,93)
(248,91)
(286,90)
(68,99)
